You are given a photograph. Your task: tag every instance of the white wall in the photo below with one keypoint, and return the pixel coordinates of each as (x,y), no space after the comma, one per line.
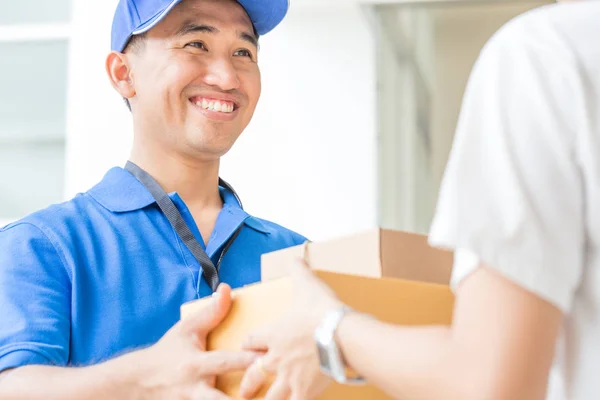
(308,159)
(99,128)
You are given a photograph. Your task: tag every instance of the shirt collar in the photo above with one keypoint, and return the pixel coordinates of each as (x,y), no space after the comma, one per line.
(121,192)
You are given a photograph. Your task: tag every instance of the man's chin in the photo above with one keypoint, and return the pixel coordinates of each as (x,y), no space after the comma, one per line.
(207,152)
(211,140)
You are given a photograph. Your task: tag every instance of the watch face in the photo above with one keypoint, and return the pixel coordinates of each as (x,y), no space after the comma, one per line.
(324,358)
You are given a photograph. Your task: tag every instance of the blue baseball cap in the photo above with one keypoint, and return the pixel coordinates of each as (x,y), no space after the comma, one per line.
(134,17)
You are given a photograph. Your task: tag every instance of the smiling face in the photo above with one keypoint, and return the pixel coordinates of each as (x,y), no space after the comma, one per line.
(195,78)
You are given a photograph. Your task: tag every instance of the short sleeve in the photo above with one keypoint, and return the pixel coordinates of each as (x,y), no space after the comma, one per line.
(34,299)
(512,194)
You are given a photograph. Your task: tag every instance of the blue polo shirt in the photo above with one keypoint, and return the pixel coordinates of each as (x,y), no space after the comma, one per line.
(105,273)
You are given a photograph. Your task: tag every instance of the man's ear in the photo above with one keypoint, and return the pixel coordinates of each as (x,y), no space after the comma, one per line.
(119,73)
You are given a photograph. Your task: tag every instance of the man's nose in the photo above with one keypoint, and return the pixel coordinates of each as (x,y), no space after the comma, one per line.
(220,72)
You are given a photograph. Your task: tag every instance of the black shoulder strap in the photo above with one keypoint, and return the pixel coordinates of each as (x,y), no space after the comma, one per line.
(174,216)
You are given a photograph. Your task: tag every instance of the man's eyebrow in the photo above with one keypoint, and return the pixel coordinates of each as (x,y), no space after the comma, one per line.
(252,39)
(190,27)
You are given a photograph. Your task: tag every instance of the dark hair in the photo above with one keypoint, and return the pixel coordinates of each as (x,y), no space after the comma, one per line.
(135,43)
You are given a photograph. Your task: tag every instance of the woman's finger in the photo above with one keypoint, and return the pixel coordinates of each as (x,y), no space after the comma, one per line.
(255,378)
(279,391)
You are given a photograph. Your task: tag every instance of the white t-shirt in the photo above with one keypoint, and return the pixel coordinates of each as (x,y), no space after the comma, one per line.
(522,187)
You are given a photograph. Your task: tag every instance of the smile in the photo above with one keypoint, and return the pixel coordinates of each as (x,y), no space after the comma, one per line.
(221,106)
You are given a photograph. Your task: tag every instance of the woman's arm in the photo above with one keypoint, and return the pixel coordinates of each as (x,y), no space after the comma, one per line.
(500,346)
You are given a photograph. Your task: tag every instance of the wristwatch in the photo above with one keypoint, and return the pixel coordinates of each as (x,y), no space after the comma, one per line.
(330,356)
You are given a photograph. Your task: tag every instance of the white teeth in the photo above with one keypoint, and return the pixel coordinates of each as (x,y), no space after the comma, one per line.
(215,106)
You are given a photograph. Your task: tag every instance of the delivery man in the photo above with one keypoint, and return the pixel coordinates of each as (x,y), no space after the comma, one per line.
(89,286)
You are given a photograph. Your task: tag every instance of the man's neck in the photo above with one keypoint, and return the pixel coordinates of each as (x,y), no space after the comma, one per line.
(196,181)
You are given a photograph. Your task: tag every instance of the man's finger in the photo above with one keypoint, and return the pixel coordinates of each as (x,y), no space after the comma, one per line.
(254,379)
(207,393)
(204,321)
(279,391)
(221,362)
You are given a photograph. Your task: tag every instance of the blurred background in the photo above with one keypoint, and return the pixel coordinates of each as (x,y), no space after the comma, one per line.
(359,106)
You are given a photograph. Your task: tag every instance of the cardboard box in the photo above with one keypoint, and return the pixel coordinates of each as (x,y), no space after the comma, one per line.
(379,253)
(409,298)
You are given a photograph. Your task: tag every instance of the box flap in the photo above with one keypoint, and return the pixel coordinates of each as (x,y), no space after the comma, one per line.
(409,256)
(357,254)
(376,253)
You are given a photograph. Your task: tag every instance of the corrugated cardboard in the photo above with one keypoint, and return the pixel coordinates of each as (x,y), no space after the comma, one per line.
(408,301)
(391,300)
(378,253)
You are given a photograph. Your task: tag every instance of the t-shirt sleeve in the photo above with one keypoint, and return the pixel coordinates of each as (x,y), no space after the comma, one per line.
(512,194)
(34,299)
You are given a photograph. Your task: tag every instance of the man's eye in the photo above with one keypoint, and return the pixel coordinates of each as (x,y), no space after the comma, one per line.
(243,53)
(197,45)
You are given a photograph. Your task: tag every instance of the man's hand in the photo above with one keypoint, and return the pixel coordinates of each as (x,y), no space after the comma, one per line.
(179,367)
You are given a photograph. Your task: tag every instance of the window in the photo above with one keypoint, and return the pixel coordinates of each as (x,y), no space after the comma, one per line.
(34,38)
(425,55)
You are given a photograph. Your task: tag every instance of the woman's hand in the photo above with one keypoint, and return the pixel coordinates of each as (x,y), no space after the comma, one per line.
(291,351)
